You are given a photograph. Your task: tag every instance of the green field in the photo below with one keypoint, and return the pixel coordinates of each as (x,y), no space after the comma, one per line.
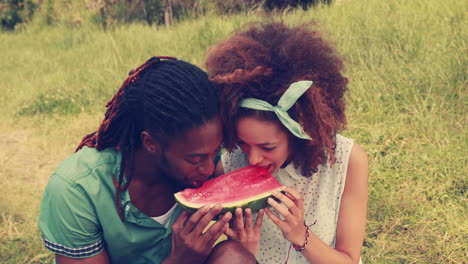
(407,106)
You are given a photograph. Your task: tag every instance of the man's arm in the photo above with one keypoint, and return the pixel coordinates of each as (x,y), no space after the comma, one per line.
(101,258)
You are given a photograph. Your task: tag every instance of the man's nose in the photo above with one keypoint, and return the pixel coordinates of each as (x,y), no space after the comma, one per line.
(207,168)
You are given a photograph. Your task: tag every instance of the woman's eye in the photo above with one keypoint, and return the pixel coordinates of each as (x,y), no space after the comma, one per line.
(268,149)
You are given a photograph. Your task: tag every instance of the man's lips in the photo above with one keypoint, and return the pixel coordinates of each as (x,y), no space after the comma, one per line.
(197,184)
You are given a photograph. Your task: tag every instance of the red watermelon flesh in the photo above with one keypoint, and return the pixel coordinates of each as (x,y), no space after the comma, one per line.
(248,187)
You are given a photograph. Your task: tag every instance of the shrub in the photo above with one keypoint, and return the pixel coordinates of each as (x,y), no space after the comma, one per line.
(13,12)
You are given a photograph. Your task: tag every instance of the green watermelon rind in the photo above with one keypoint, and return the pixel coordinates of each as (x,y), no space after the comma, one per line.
(255,203)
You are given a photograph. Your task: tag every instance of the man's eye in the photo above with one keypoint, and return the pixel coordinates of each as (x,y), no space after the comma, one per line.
(194,160)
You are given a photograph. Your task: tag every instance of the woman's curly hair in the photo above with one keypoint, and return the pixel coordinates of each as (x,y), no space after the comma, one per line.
(262,61)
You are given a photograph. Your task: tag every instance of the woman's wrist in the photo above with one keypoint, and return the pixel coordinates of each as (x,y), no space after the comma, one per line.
(300,246)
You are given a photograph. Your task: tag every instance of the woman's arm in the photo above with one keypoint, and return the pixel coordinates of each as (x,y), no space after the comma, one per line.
(352,216)
(351,219)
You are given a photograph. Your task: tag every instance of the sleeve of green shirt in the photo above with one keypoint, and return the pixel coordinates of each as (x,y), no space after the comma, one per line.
(68,221)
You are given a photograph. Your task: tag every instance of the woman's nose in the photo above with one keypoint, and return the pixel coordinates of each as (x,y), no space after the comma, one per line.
(255,156)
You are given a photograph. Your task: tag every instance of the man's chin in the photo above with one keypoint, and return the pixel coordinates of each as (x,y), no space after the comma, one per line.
(177,185)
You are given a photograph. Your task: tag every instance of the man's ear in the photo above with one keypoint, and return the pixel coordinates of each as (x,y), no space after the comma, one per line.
(149,143)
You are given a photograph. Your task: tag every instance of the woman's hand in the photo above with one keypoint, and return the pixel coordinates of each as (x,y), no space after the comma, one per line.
(189,243)
(245,231)
(291,215)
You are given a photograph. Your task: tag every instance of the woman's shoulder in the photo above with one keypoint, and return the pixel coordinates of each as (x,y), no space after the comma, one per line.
(352,148)
(342,140)
(343,147)
(234,160)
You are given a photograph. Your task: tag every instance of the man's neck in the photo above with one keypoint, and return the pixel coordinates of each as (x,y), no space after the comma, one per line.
(150,190)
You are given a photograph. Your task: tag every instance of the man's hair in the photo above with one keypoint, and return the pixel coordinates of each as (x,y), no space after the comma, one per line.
(262,61)
(165,97)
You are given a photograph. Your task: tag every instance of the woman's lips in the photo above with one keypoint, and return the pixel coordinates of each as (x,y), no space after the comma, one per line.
(269,168)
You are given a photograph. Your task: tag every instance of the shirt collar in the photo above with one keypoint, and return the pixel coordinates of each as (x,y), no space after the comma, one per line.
(293,172)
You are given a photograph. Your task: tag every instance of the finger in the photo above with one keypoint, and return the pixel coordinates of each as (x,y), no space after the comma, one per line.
(239,219)
(231,233)
(205,219)
(225,228)
(194,219)
(279,208)
(288,202)
(215,238)
(294,206)
(179,222)
(217,229)
(248,219)
(298,198)
(274,218)
(259,220)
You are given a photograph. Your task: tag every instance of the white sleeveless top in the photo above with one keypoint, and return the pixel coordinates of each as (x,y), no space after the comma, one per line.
(322,197)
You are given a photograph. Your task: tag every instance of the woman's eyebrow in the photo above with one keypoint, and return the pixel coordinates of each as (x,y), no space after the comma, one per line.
(266,143)
(260,144)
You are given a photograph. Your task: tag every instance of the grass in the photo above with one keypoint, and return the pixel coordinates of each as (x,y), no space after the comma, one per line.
(407,105)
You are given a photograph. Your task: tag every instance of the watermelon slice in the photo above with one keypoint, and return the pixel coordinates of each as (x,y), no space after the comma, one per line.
(248,187)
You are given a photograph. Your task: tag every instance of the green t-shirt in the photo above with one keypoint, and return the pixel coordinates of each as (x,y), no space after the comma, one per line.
(78,215)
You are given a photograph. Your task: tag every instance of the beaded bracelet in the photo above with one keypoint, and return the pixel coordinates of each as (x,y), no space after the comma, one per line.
(301,248)
(298,248)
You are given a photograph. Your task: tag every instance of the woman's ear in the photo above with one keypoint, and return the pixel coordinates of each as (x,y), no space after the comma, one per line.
(149,143)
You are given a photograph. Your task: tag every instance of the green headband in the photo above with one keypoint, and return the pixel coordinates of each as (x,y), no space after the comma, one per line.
(295,90)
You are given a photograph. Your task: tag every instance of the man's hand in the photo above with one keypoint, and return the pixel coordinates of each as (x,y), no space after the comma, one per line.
(189,243)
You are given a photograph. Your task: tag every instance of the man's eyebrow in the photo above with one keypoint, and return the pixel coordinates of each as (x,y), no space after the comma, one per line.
(203,154)
(196,155)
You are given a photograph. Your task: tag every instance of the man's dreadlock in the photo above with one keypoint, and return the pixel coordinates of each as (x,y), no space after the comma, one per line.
(163,96)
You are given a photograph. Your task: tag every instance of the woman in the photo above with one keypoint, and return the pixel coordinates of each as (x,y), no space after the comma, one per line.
(282,100)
